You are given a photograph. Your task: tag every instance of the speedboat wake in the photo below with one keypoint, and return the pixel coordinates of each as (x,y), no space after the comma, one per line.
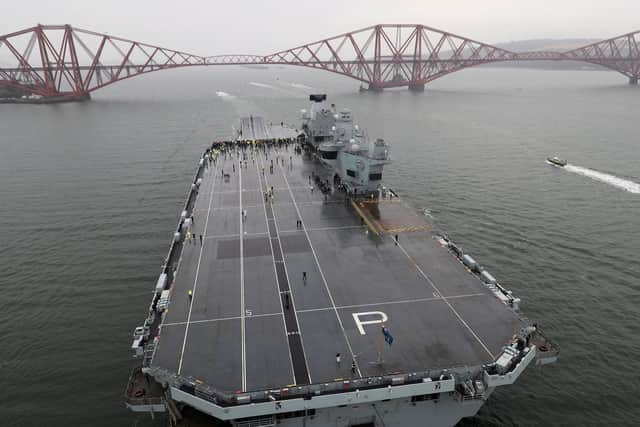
(625,184)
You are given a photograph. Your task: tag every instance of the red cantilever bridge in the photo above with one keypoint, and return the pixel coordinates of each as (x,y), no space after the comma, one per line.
(61,62)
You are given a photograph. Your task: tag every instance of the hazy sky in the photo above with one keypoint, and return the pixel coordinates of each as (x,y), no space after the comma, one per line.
(242,26)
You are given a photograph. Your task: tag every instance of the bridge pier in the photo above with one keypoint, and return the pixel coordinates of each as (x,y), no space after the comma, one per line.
(16,97)
(57,99)
(374,88)
(633,80)
(416,87)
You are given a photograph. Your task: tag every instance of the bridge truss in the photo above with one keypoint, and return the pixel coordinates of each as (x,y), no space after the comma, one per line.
(61,61)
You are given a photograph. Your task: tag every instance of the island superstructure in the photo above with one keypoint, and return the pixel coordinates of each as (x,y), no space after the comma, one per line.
(300,290)
(343,146)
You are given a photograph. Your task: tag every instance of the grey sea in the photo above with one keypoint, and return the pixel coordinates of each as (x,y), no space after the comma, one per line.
(90,194)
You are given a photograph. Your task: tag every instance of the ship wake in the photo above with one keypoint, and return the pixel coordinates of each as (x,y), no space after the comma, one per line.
(224,95)
(624,184)
(264,85)
(301,86)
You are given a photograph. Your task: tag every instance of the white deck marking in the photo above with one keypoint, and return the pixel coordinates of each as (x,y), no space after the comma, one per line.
(324,280)
(346,227)
(286,272)
(360,323)
(320,202)
(405,301)
(242,307)
(297,187)
(479,294)
(234,192)
(221,319)
(444,299)
(229,208)
(221,208)
(235,236)
(195,280)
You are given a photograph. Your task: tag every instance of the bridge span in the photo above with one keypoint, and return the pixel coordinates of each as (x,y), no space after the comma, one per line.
(65,63)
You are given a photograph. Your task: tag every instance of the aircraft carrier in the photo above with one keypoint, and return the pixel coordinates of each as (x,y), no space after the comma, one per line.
(299,290)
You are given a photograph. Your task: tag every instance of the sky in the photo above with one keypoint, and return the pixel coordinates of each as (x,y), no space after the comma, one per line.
(262,27)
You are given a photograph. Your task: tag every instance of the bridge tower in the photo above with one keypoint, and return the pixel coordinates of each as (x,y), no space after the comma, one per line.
(376,84)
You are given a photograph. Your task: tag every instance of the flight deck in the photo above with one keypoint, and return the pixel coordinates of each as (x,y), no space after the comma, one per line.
(295,287)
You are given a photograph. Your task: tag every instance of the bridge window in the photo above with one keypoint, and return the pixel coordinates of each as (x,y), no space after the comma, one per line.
(329,155)
(351,173)
(375,176)
(423,397)
(296,414)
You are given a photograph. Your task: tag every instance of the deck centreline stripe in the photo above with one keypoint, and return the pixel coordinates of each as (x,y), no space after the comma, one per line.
(272,243)
(324,280)
(242,305)
(296,347)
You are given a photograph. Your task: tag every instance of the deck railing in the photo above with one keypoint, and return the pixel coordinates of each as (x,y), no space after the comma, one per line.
(170,263)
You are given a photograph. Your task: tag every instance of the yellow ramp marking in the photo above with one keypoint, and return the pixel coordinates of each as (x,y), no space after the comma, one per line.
(364,217)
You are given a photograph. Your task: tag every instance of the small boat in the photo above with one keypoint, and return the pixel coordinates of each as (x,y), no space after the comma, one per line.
(557,161)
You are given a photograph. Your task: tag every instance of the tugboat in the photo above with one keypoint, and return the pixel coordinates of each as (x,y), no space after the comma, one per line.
(557,161)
